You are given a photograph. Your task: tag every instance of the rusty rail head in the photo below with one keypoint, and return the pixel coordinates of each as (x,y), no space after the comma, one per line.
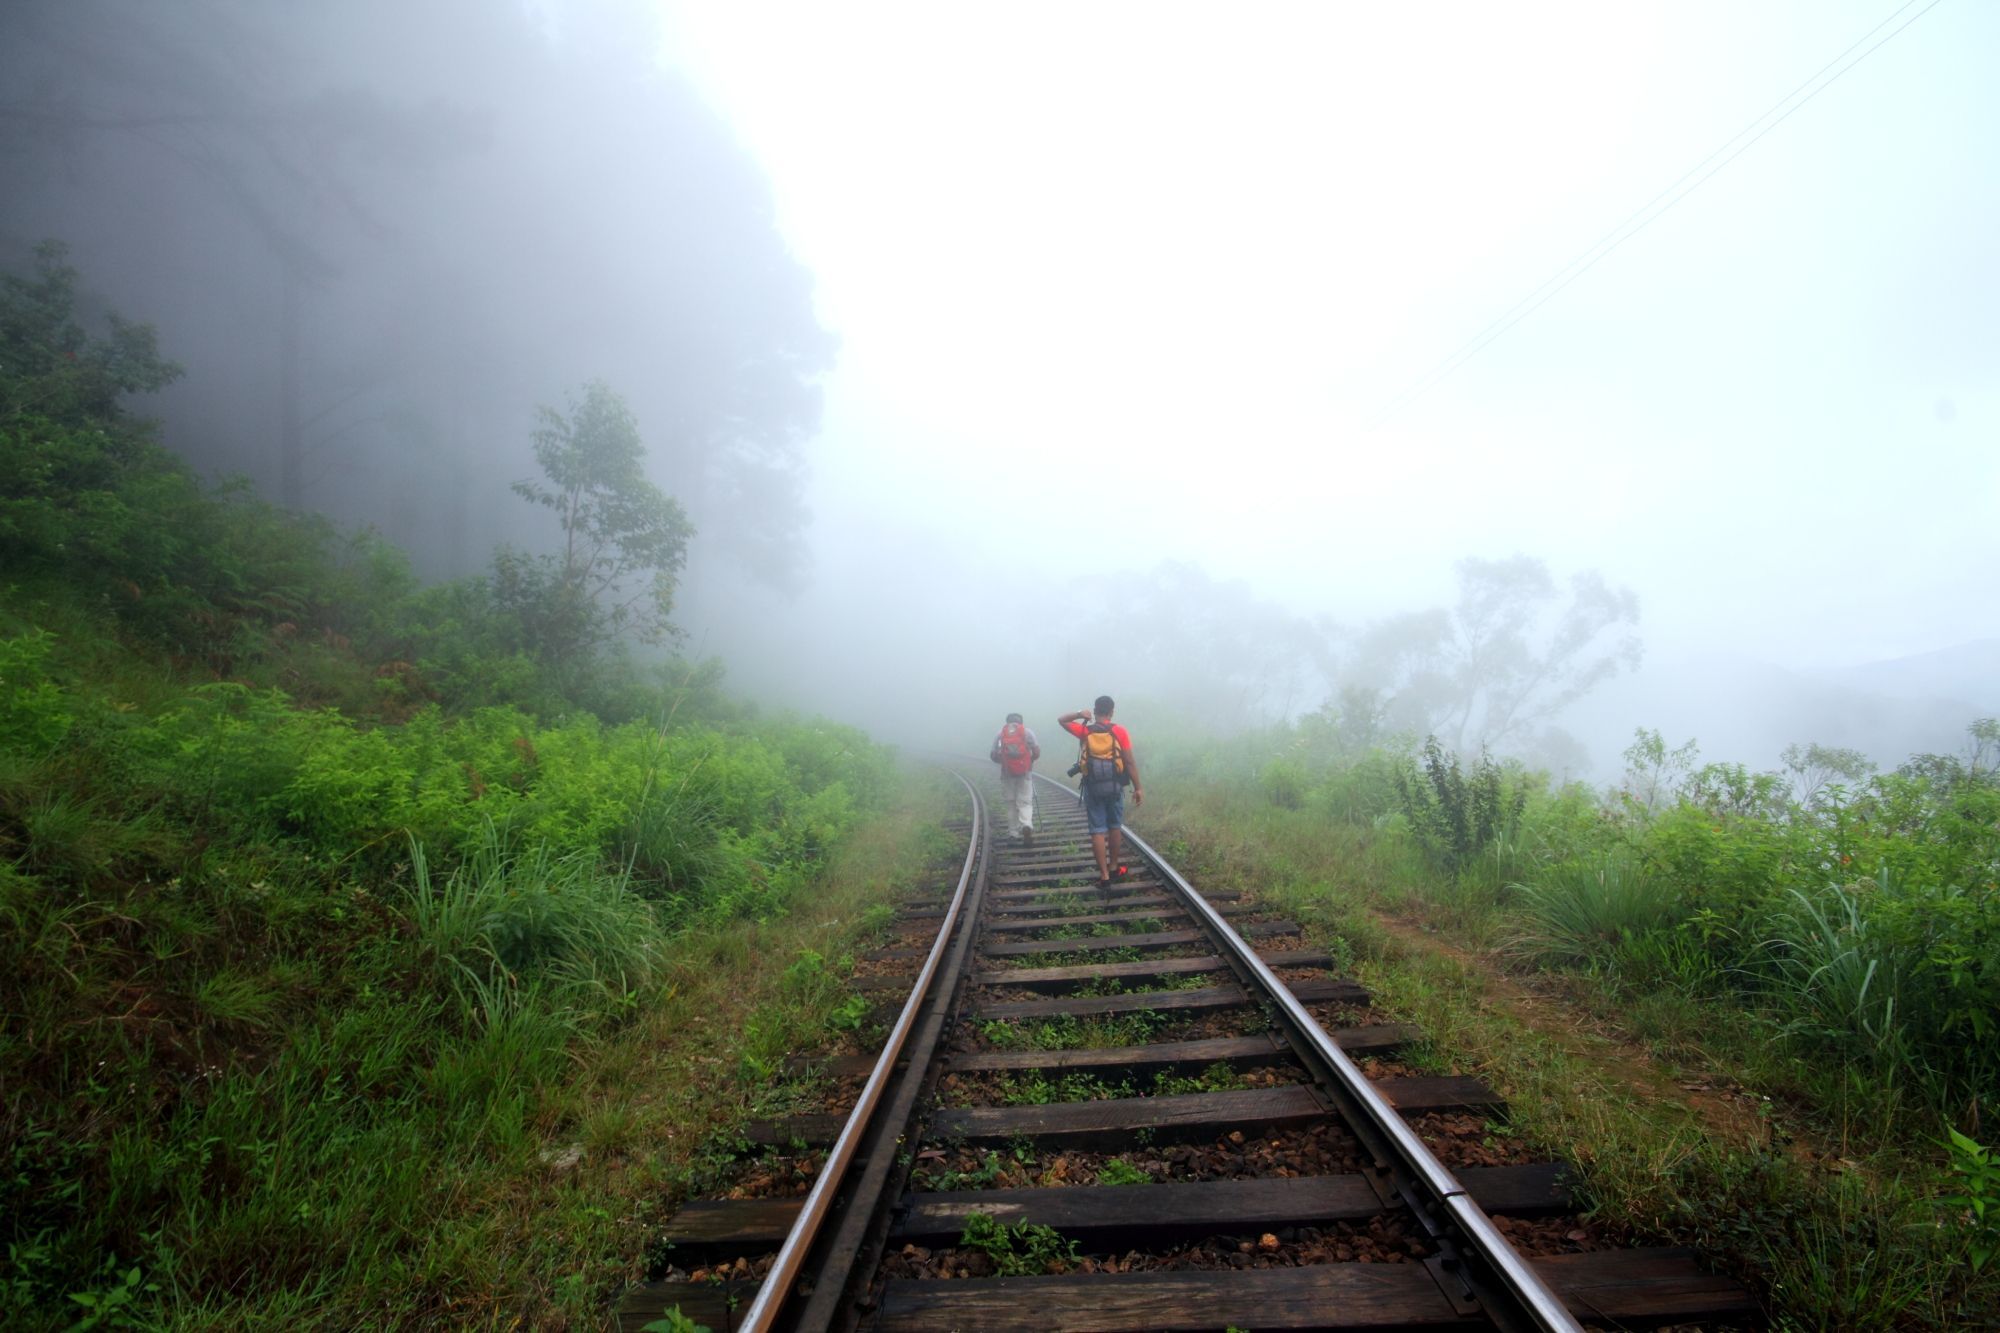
(776,1288)
(1540,1307)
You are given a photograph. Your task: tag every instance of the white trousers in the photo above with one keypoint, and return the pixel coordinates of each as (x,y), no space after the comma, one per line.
(1017,793)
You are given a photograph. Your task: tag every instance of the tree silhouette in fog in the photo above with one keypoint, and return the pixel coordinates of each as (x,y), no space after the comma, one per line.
(1509,655)
(379,233)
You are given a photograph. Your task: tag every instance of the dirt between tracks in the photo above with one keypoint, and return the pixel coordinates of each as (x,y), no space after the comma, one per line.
(1386,1239)
(1031,1086)
(1461,1139)
(1086,957)
(730,1271)
(1139,986)
(912,935)
(778,1176)
(1320,1150)
(888,967)
(1379,1067)
(833,1096)
(1076,1034)
(1333,1017)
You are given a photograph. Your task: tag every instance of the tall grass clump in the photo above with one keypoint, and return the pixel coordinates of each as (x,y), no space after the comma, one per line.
(534,916)
(1839,982)
(1579,914)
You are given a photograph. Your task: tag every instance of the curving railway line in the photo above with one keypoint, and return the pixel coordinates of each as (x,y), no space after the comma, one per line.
(1145,1103)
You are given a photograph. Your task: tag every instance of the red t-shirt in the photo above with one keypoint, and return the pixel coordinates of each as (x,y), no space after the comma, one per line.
(1118,734)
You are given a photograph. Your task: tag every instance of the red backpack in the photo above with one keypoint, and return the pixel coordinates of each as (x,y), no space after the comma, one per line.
(1015,756)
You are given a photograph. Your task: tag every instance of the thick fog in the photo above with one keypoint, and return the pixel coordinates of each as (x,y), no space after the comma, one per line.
(1504,371)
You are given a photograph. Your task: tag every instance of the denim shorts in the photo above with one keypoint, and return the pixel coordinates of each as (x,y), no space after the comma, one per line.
(1104,815)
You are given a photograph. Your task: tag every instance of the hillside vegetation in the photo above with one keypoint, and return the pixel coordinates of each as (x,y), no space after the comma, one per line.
(1819,942)
(315,881)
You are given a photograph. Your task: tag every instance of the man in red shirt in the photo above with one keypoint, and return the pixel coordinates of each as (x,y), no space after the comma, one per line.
(1105,811)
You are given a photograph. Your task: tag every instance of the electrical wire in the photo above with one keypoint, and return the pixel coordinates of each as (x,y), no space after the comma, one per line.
(1692,179)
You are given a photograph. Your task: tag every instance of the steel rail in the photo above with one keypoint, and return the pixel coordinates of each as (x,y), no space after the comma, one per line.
(772,1293)
(1519,1281)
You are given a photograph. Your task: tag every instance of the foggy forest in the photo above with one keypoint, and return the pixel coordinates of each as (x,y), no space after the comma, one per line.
(511,511)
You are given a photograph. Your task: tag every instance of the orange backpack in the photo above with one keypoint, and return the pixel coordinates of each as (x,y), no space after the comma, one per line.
(1102,760)
(1016,756)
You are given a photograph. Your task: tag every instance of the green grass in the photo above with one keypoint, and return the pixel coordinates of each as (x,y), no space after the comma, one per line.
(1035,1088)
(1018,1249)
(1118,1171)
(1216,1078)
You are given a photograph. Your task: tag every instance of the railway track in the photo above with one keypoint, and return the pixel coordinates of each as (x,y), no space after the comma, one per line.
(1140,1108)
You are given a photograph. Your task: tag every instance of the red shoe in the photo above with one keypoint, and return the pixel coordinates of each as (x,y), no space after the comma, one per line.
(1121,872)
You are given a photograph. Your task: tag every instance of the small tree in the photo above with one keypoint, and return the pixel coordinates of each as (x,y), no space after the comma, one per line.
(624,540)
(80,477)
(1652,771)
(1816,769)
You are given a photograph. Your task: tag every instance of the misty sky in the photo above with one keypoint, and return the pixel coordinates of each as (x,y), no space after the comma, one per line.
(1197,251)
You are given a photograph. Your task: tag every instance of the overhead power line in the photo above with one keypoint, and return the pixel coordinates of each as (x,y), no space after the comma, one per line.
(1691,180)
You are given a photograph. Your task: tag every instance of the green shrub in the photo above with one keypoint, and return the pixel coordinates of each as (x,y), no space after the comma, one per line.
(1284,783)
(1457,815)
(35,713)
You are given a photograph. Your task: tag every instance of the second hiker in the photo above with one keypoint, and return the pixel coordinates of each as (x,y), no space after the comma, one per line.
(1015,750)
(1106,764)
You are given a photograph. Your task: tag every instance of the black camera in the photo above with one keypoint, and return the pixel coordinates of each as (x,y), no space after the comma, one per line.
(1074,769)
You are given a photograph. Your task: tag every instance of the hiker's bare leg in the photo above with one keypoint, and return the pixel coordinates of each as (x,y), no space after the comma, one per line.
(1097,841)
(1117,849)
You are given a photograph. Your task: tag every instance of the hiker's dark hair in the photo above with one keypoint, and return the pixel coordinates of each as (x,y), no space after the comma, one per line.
(1103,705)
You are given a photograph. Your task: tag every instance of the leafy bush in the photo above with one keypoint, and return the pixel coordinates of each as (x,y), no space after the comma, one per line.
(1976,1168)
